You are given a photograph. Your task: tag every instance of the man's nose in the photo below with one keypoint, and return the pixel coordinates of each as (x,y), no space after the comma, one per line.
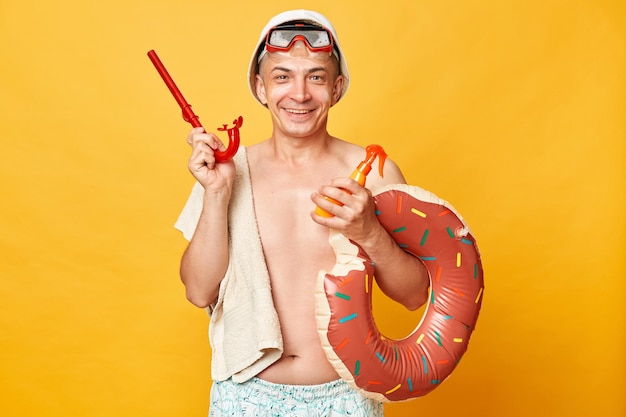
(300,90)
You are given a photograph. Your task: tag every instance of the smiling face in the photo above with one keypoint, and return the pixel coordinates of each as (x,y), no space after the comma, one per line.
(299,87)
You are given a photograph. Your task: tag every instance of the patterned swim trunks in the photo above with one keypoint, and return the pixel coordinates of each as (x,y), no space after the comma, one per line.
(259,398)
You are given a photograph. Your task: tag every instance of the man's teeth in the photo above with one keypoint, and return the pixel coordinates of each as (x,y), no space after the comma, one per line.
(298,111)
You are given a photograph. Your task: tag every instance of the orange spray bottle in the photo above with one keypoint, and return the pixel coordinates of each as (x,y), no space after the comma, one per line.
(360,173)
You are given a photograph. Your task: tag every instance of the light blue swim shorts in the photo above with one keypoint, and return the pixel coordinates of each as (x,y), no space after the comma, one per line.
(259,398)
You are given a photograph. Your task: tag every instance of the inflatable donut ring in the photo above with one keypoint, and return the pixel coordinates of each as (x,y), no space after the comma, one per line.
(396,370)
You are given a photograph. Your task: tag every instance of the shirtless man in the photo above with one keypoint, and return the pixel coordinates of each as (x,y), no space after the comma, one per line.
(298,78)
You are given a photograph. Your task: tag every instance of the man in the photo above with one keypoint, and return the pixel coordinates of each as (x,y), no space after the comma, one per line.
(257,244)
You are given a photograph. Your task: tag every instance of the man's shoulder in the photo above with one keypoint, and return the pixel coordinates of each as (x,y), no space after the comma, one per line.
(348,150)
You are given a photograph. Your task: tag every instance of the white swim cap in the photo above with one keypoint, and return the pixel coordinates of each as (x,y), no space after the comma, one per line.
(302,16)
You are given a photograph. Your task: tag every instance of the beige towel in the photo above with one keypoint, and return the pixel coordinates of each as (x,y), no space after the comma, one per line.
(244,330)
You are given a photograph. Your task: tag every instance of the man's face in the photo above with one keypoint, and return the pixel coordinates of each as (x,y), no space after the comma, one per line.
(299,87)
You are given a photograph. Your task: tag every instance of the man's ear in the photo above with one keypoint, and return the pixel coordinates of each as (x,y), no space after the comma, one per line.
(260,89)
(337,89)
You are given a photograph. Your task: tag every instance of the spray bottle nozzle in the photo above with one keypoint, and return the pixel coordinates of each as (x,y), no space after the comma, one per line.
(364,168)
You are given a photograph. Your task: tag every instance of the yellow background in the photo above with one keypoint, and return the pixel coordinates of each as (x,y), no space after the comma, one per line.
(514,111)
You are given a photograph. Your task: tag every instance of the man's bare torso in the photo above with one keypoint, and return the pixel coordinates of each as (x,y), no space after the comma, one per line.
(296,248)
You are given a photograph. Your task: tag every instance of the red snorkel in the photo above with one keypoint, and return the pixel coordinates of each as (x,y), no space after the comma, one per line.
(190,117)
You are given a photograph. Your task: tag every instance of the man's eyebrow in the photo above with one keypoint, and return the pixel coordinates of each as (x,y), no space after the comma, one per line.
(317,69)
(278,68)
(309,71)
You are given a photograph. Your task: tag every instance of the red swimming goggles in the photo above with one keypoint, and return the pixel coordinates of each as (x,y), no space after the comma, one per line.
(281,38)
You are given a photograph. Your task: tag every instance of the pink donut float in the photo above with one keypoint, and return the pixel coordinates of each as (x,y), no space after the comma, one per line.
(396,370)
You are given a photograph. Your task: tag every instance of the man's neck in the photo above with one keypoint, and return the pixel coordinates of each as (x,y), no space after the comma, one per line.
(298,150)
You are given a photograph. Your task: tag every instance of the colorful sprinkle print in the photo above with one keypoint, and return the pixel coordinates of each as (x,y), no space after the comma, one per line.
(395,370)
(347,318)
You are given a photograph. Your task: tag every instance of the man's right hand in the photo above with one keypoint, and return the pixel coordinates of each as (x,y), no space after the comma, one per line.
(213,176)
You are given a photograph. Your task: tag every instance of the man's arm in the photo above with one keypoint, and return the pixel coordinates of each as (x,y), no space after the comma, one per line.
(205,260)
(399,275)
